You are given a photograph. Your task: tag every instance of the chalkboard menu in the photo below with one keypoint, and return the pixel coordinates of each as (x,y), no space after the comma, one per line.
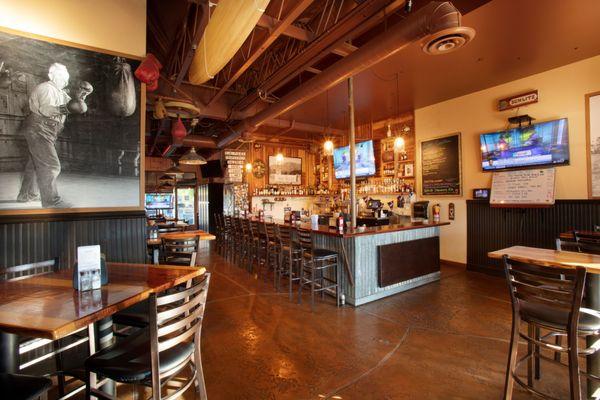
(521,188)
(440,166)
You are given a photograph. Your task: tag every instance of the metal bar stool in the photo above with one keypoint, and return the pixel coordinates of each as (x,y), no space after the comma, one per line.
(314,264)
(254,231)
(220,233)
(550,299)
(272,251)
(289,254)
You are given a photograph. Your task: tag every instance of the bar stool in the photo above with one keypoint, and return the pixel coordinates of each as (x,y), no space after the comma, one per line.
(550,299)
(255,236)
(314,264)
(24,387)
(290,255)
(219,232)
(228,229)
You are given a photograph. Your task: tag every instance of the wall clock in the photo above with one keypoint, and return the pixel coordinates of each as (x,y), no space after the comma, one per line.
(258,169)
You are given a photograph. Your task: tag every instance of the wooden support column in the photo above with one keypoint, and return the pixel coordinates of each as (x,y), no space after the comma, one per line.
(351,141)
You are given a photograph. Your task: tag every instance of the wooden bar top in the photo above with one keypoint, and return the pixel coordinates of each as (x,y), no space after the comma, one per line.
(550,258)
(47,306)
(374,230)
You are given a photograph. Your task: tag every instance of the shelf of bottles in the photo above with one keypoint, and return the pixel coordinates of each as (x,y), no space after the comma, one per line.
(381,186)
(291,191)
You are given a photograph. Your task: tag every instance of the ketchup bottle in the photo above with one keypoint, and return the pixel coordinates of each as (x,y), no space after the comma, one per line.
(341,224)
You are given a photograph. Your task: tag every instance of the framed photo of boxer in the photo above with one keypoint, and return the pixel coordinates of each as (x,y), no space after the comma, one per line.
(71,123)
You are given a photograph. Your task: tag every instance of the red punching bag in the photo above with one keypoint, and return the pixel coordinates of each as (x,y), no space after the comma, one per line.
(178,130)
(149,69)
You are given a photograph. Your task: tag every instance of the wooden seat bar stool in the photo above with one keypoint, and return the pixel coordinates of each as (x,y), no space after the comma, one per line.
(548,298)
(319,269)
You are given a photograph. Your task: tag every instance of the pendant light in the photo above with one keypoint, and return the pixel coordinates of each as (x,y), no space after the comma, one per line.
(328,147)
(192,158)
(174,171)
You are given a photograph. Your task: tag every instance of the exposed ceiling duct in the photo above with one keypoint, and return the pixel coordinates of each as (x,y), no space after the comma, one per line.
(437,25)
(229,26)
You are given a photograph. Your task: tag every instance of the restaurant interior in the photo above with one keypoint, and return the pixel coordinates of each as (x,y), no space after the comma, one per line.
(299,199)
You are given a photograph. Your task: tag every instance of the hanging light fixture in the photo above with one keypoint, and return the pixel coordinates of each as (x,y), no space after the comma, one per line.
(279,158)
(399,144)
(249,167)
(174,171)
(192,158)
(328,147)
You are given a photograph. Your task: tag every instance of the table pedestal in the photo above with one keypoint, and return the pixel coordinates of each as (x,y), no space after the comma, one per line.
(593,361)
(9,353)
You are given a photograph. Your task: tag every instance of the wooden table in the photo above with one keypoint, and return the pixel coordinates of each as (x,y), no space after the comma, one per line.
(155,243)
(47,306)
(555,258)
(569,235)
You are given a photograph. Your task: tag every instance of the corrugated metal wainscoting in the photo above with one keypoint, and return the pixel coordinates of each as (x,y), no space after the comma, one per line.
(491,228)
(26,239)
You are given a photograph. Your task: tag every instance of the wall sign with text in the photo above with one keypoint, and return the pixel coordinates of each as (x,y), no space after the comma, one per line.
(441,166)
(518,100)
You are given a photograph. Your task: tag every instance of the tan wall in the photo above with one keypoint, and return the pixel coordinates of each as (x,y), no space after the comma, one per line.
(561,92)
(117,25)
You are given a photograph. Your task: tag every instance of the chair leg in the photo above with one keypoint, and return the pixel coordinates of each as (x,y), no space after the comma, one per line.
(88,387)
(291,272)
(530,360)
(512,358)
(200,373)
(537,352)
(301,275)
(574,366)
(312,287)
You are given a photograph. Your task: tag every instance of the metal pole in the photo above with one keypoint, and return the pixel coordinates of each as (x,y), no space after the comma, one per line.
(351,140)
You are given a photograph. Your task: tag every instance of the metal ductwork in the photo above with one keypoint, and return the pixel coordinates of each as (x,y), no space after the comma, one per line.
(199,141)
(437,25)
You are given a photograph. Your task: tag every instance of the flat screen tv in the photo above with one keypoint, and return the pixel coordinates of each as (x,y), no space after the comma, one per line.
(365,160)
(546,143)
(155,201)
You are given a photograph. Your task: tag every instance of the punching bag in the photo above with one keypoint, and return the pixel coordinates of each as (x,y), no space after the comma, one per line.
(121,89)
(149,69)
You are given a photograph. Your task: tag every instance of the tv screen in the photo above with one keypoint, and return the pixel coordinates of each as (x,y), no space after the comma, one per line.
(156,201)
(365,160)
(546,143)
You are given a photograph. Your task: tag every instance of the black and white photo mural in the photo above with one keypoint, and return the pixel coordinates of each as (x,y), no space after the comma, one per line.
(70,127)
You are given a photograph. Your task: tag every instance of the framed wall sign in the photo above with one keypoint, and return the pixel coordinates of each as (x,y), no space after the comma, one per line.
(518,100)
(592,113)
(441,166)
(287,171)
(71,119)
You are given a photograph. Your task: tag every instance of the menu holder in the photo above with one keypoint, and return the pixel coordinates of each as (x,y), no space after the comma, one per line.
(89,271)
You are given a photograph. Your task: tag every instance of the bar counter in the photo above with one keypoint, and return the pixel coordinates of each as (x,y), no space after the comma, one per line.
(384,260)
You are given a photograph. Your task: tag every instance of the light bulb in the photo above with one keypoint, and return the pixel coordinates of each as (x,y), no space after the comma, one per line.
(328,147)
(399,143)
(279,158)
(249,167)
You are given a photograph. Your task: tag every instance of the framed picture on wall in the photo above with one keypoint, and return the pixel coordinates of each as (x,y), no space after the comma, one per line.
(592,112)
(285,171)
(441,166)
(71,119)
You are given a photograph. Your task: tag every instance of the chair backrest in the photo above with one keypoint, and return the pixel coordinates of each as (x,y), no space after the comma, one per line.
(271,231)
(537,287)
(176,318)
(304,240)
(28,270)
(171,229)
(567,245)
(588,242)
(284,235)
(180,249)
(262,231)
(255,229)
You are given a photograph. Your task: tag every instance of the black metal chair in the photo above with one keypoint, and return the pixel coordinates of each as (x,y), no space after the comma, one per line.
(548,298)
(24,387)
(319,267)
(219,233)
(157,354)
(180,251)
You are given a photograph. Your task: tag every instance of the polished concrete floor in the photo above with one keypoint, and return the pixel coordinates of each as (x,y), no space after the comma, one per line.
(444,340)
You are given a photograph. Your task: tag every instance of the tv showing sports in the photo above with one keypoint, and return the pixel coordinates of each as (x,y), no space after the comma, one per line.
(155,201)
(546,143)
(365,160)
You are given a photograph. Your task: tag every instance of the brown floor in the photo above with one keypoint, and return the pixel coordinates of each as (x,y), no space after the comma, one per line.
(445,340)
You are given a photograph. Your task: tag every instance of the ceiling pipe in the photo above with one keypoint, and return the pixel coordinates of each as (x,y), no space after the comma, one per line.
(437,25)
(199,141)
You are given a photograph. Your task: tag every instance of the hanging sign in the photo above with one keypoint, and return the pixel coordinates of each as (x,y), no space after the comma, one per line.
(518,100)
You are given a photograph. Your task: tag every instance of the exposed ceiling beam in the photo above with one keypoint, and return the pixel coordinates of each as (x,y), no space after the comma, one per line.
(293,31)
(345,49)
(203,6)
(277,30)
(360,19)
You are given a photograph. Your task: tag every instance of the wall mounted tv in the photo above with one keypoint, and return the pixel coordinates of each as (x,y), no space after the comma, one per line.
(156,201)
(545,143)
(365,160)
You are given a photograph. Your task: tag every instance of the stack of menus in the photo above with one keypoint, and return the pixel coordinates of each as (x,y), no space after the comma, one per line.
(88,270)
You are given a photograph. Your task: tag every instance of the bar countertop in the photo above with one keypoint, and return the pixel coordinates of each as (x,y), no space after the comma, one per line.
(348,233)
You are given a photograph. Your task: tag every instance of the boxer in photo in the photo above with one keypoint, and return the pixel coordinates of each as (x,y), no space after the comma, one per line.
(49,104)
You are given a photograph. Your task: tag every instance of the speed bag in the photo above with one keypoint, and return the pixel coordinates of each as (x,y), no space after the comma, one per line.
(121,95)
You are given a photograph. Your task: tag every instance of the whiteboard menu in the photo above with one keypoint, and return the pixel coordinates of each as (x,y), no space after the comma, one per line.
(529,187)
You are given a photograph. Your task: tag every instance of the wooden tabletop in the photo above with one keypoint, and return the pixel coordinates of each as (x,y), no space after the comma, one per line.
(201,235)
(47,306)
(550,258)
